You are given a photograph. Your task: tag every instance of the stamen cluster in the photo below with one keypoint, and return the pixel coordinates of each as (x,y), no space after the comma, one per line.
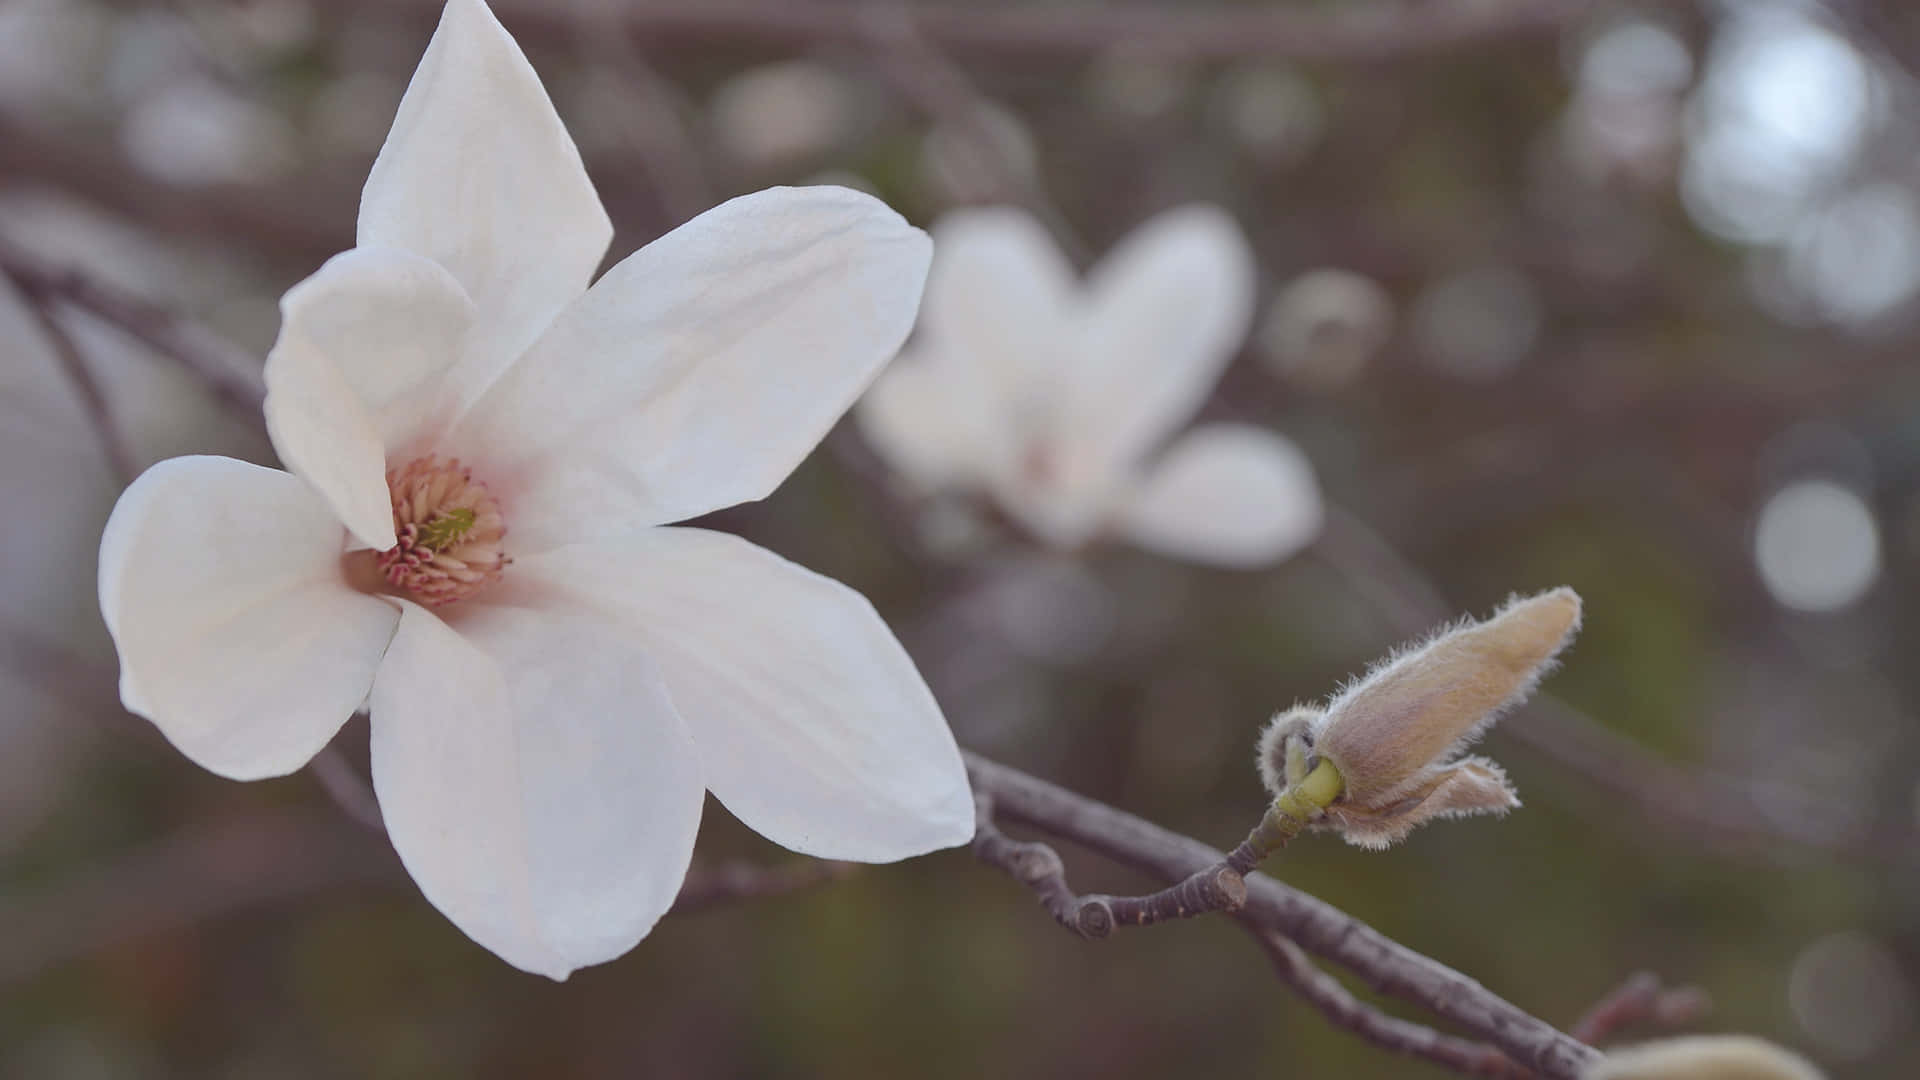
(450,530)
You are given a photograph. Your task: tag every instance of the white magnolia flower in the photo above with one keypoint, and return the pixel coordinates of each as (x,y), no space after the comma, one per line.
(1055,396)
(481,449)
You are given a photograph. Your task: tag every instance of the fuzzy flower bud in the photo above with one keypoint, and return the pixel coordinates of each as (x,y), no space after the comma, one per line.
(1703,1057)
(1394,736)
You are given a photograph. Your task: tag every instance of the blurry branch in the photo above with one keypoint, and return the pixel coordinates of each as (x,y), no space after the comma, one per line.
(59,670)
(1343,1010)
(194,876)
(231,378)
(93,401)
(353,795)
(736,881)
(915,67)
(653,125)
(1641,1000)
(1316,926)
(303,225)
(207,872)
(1369,32)
(1723,811)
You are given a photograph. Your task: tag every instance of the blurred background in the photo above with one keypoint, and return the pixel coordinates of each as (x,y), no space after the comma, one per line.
(1620,296)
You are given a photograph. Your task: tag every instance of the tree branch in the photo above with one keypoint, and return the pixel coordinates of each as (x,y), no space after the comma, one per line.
(1343,1010)
(1096,915)
(1641,999)
(1319,927)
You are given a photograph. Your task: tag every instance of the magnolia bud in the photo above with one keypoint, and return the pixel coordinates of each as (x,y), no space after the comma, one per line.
(1703,1057)
(1395,735)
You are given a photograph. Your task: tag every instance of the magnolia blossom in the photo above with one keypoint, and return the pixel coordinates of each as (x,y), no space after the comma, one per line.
(1056,396)
(481,451)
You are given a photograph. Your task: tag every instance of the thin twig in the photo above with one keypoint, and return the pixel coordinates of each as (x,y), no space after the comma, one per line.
(1343,1010)
(1319,927)
(1641,999)
(1097,915)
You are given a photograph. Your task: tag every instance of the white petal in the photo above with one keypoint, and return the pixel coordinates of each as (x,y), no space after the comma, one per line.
(238,636)
(1001,300)
(1167,309)
(535,780)
(815,728)
(479,175)
(701,370)
(1229,494)
(359,376)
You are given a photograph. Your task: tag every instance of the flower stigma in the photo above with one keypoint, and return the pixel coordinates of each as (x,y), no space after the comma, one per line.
(450,532)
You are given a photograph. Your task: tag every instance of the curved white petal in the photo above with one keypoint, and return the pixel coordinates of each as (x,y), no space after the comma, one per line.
(535,780)
(479,175)
(1229,494)
(701,370)
(930,430)
(360,376)
(1001,300)
(238,636)
(1166,310)
(814,726)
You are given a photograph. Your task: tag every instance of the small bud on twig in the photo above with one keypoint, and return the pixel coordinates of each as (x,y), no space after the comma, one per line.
(1392,739)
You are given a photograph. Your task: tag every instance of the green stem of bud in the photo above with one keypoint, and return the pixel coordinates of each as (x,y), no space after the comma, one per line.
(1292,810)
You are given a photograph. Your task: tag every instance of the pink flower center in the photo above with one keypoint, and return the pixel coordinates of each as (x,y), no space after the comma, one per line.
(450,530)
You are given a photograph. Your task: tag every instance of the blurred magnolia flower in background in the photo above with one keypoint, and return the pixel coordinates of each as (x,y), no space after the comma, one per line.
(1055,396)
(481,448)
(773,116)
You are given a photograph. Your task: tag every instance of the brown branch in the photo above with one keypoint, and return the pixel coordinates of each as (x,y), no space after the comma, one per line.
(1374,32)
(1097,915)
(1319,927)
(1343,1010)
(1641,999)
